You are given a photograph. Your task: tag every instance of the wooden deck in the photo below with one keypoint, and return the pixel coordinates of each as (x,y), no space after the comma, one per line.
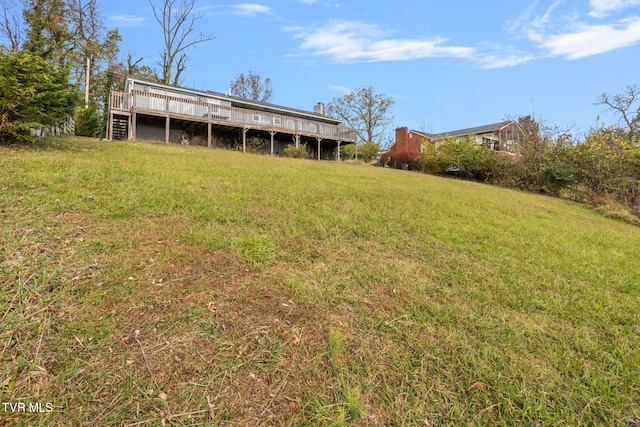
(171,107)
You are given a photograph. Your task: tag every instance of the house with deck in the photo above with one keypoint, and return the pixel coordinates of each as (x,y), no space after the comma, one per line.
(148,110)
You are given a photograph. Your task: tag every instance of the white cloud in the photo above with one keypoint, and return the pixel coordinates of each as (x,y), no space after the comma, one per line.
(251,9)
(127,20)
(533,27)
(566,35)
(503,60)
(349,41)
(603,8)
(307,1)
(586,40)
(342,89)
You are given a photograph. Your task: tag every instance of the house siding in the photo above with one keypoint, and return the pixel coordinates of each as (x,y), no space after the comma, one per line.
(407,141)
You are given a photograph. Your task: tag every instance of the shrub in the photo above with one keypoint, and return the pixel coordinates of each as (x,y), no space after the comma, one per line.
(396,159)
(606,164)
(368,151)
(347,151)
(88,122)
(299,152)
(464,157)
(256,144)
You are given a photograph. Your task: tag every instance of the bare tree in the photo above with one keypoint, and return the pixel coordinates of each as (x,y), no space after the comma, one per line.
(252,87)
(622,103)
(92,47)
(365,111)
(177,21)
(10,25)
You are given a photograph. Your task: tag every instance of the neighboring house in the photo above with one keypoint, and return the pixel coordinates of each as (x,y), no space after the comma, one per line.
(498,136)
(408,141)
(148,110)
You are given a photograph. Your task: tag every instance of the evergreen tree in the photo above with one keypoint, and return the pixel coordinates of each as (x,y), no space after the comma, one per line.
(33,93)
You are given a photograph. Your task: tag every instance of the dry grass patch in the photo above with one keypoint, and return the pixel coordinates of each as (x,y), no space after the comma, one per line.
(144,284)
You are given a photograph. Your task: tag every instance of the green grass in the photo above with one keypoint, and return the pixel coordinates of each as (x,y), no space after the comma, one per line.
(273,291)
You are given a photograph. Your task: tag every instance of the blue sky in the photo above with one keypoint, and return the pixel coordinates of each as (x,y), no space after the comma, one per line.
(448,65)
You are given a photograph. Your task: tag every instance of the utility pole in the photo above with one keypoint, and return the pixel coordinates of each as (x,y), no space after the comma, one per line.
(86,84)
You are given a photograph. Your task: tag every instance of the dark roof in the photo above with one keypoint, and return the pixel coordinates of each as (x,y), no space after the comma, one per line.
(474,130)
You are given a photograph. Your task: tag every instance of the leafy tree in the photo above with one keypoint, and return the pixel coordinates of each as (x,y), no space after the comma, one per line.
(544,164)
(252,86)
(365,111)
(369,151)
(177,21)
(93,48)
(606,164)
(47,32)
(463,156)
(34,93)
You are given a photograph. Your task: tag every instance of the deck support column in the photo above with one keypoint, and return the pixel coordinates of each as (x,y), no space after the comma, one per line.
(296,139)
(319,139)
(110,127)
(244,139)
(167,128)
(209,126)
(134,125)
(272,133)
(338,151)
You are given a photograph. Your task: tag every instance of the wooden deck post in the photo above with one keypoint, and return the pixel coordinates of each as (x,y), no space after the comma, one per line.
(244,139)
(167,128)
(209,126)
(110,127)
(319,139)
(134,125)
(338,152)
(271,132)
(296,139)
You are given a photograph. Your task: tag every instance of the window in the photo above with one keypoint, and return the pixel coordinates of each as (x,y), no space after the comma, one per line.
(277,121)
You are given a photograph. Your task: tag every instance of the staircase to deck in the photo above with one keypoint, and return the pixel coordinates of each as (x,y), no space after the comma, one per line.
(120,128)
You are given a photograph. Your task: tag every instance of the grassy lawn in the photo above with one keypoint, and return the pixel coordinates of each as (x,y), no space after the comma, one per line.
(145,284)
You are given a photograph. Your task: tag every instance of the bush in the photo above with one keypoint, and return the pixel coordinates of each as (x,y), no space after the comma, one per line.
(606,165)
(256,145)
(396,159)
(368,151)
(347,151)
(464,157)
(88,122)
(299,152)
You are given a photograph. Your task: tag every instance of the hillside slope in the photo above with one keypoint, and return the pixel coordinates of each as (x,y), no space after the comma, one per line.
(144,283)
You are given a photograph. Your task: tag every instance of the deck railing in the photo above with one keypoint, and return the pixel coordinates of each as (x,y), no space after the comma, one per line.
(188,109)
